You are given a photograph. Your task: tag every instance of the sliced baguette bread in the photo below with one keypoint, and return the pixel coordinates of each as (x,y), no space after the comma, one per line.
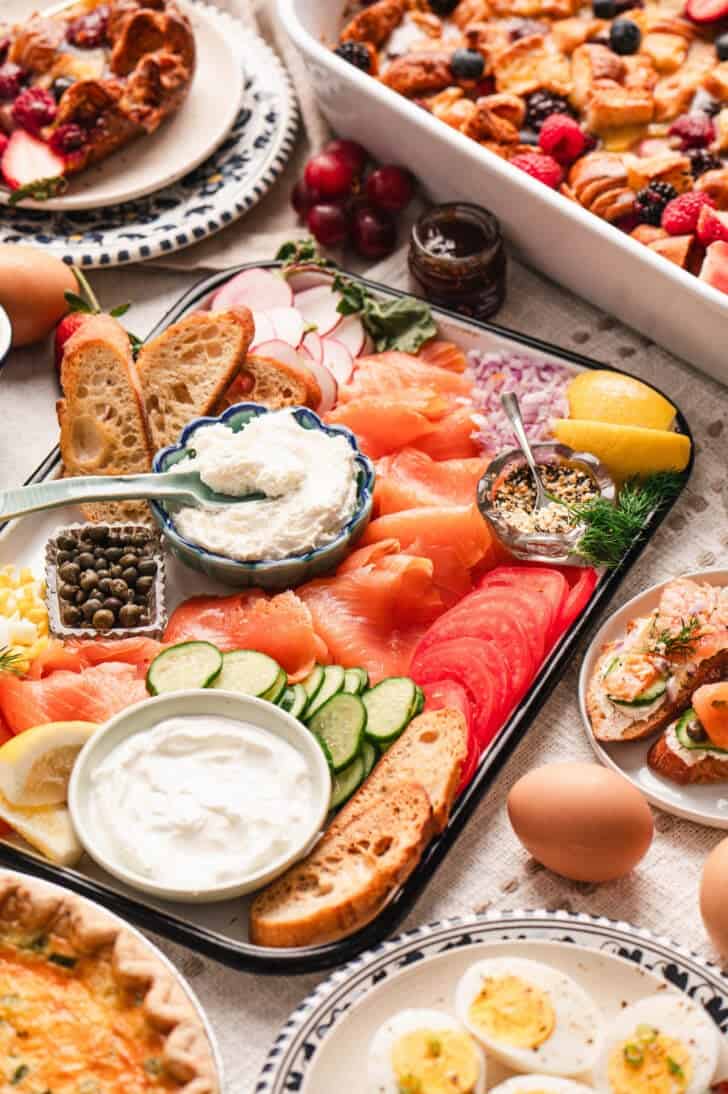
(687,767)
(103,427)
(187,369)
(431,751)
(350,874)
(275,385)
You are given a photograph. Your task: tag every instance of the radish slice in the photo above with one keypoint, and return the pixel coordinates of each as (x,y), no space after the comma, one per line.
(350,332)
(326,381)
(288,325)
(307,277)
(256,289)
(264,329)
(337,359)
(313,343)
(318,308)
(280,351)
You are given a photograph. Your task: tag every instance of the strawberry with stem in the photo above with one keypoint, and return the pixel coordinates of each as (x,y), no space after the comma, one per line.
(80,306)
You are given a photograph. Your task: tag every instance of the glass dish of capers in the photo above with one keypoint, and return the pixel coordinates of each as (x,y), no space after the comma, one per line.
(105,580)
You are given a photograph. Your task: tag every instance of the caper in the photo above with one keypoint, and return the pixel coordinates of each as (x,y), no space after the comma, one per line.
(101,574)
(113,604)
(131,596)
(100,554)
(144,585)
(70,572)
(129,615)
(139,539)
(105,585)
(66,543)
(115,571)
(143,620)
(91,607)
(114,553)
(103,620)
(81,596)
(86,560)
(141,599)
(88,580)
(128,560)
(130,575)
(63,556)
(98,534)
(147,567)
(67,592)
(71,615)
(119,588)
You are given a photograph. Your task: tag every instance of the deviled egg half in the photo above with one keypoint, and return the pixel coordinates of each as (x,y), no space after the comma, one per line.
(530,1016)
(665,1044)
(424,1052)
(540,1084)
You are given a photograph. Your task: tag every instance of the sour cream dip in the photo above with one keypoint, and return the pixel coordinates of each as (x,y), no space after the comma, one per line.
(308,477)
(200,802)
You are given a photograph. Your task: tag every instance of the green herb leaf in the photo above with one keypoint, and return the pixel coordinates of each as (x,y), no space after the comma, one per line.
(40,189)
(77,303)
(63,960)
(116,313)
(302,252)
(136,343)
(665,642)
(675,1068)
(633,1054)
(404,323)
(10,660)
(19,1074)
(610,530)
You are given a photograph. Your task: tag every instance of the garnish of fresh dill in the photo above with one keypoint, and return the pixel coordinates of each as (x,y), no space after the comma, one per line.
(611,529)
(11,660)
(666,642)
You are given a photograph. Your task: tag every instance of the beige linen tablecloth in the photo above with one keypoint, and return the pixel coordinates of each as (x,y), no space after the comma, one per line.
(487,868)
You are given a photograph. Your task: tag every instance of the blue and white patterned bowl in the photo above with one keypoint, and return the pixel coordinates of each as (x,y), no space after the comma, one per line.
(285,573)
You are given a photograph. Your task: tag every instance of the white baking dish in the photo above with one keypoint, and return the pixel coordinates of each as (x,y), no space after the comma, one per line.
(574,247)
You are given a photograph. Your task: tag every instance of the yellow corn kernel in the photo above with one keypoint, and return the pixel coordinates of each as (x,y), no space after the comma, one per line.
(27,576)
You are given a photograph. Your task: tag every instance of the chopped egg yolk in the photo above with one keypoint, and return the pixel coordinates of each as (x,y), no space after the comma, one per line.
(650,1063)
(439,1061)
(630,676)
(23,617)
(514,1012)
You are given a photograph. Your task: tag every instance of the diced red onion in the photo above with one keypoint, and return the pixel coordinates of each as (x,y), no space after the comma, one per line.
(540,386)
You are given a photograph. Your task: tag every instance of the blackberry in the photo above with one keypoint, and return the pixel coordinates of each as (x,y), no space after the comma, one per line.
(540,105)
(651,201)
(443,7)
(701,160)
(356,53)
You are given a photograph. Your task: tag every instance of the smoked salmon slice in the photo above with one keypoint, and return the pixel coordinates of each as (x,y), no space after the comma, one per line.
(450,438)
(75,656)
(444,355)
(93,695)
(392,374)
(411,479)
(382,426)
(280,626)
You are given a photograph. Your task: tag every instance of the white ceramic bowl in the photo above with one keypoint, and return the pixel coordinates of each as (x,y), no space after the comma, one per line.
(571,245)
(145,716)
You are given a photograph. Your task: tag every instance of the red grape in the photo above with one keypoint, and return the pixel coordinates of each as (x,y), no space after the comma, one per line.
(353,153)
(390,188)
(329,224)
(303,198)
(329,174)
(374,232)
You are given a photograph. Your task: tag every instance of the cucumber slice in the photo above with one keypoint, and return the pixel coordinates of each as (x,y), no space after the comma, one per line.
(313,681)
(369,756)
(649,695)
(187,665)
(274,693)
(332,684)
(251,673)
(356,681)
(340,723)
(294,700)
(346,782)
(419,703)
(389,708)
(689,723)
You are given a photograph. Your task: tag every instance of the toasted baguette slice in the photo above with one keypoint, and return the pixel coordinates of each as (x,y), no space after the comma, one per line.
(686,766)
(275,385)
(431,751)
(103,428)
(186,370)
(349,876)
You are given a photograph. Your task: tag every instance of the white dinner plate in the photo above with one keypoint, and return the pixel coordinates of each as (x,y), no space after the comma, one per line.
(322,1047)
(707,805)
(181,142)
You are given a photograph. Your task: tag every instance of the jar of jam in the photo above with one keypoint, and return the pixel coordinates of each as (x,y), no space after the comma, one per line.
(457,256)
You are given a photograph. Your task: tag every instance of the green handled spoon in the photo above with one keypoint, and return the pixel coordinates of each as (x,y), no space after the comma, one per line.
(178,486)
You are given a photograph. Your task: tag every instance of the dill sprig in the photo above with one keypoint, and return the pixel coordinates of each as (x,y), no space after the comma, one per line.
(11,660)
(666,643)
(610,530)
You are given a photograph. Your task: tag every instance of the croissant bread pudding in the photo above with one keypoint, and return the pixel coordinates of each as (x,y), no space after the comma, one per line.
(86,1005)
(619,105)
(77,87)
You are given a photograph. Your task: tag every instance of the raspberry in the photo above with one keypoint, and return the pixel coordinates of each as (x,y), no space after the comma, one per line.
(11,80)
(694,130)
(680,216)
(541,167)
(541,104)
(67,138)
(651,201)
(89,31)
(34,108)
(562,138)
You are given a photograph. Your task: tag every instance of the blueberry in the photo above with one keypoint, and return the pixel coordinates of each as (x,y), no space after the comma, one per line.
(467,64)
(721,47)
(604,9)
(624,37)
(60,85)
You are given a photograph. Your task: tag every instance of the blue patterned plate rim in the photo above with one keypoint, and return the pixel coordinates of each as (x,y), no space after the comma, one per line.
(295,1046)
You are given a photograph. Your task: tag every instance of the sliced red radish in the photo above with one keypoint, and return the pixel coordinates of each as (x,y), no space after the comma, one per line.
(288,325)
(314,344)
(337,359)
(318,308)
(325,380)
(302,278)
(350,332)
(256,289)
(264,329)
(280,351)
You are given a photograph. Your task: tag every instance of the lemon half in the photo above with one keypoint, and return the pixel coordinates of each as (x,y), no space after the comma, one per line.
(626,450)
(36,765)
(605,396)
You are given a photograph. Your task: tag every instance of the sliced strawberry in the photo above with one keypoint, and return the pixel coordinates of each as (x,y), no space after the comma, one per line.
(715,266)
(712,226)
(706,11)
(27,160)
(67,326)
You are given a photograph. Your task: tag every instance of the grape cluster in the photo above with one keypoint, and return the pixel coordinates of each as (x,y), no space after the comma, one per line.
(341,203)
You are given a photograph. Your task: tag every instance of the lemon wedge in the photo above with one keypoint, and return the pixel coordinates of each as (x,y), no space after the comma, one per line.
(626,450)
(36,765)
(605,396)
(48,829)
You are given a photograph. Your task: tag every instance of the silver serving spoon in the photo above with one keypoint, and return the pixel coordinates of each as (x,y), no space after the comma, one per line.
(178,486)
(513,410)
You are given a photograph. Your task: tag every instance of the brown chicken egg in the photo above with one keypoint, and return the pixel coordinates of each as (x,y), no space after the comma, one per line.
(32,287)
(714,897)
(581,821)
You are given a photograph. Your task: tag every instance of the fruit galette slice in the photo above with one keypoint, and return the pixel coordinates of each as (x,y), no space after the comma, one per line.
(86,1006)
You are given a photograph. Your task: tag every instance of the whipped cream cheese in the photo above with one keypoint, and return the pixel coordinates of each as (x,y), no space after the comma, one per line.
(309,479)
(200,802)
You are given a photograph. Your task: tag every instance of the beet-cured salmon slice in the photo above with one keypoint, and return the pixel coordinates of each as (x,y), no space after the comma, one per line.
(76,655)
(382,426)
(280,626)
(451,438)
(444,355)
(411,479)
(93,695)
(393,374)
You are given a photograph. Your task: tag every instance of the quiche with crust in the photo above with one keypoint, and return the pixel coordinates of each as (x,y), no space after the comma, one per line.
(86,1007)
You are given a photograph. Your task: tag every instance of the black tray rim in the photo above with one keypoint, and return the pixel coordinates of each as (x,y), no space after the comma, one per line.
(244,956)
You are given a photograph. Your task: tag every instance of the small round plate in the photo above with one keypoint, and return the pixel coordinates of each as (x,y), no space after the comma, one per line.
(322,1046)
(707,805)
(182,142)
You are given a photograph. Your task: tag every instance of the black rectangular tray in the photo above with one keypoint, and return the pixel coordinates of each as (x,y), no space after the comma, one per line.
(243,955)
